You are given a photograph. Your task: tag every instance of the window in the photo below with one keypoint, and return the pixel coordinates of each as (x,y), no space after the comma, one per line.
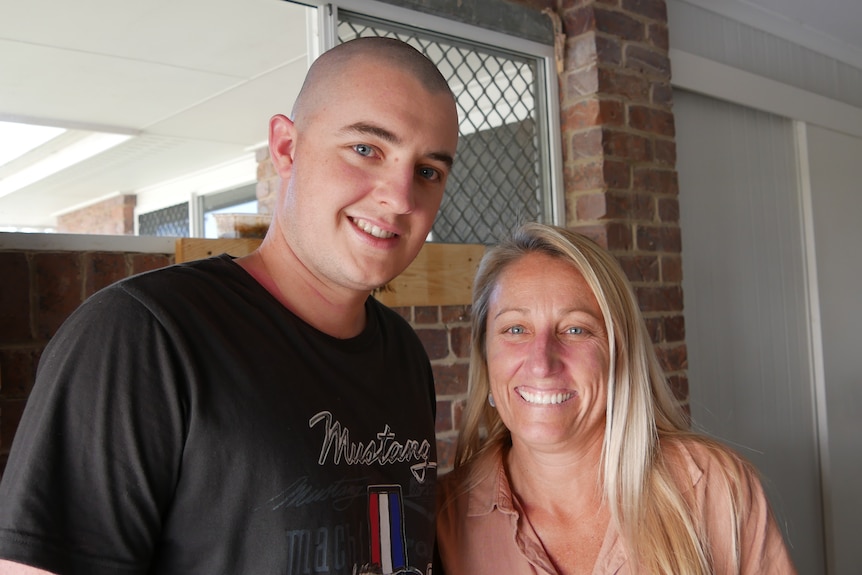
(503,171)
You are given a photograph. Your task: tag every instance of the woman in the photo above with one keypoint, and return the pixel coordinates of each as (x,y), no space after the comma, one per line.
(574,456)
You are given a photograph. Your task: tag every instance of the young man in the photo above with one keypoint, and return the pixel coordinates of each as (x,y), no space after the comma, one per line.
(260,415)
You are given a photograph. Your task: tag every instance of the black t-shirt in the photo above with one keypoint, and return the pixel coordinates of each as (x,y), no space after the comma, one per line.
(184,422)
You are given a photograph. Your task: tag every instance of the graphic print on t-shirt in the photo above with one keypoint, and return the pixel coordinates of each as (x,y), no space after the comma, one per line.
(386,522)
(385,451)
(388,542)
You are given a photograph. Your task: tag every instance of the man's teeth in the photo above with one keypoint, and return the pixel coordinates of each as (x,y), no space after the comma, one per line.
(370,228)
(544,398)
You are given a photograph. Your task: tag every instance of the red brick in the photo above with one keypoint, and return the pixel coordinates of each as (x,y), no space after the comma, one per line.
(661,94)
(658,36)
(15,319)
(435,341)
(10,416)
(630,86)
(659,239)
(425,314)
(647,62)
(673,357)
(652,120)
(608,50)
(455,313)
(59,289)
(679,385)
(664,298)
(146,262)
(587,144)
(450,379)
(619,24)
(613,113)
(668,210)
(579,20)
(653,9)
(655,180)
(674,328)
(613,236)
(632,147)
(583,176)
(461,340)
(630,206)
(591,206)
(103,269)
(581,51)
(583,114)
(617,174)
(653,327)
(640,268)
(444,416)
(664,152)
(582,82)
(18,371)
(671,269)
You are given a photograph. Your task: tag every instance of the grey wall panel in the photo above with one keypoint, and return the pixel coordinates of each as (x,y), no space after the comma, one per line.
(747,328)
(836,198)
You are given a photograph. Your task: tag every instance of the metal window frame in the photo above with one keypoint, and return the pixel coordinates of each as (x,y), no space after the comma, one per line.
(549,106)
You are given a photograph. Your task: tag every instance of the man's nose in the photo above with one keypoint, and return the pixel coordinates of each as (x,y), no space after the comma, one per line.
(396,189)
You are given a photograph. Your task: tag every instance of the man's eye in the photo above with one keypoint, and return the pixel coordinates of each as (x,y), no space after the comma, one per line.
(429,174)
(364,149)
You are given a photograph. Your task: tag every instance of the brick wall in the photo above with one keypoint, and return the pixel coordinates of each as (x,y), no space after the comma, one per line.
(114,216)
(38,292)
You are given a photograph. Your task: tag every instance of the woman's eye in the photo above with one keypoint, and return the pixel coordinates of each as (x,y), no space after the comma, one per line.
(363,149)
(515,329)
(575,331)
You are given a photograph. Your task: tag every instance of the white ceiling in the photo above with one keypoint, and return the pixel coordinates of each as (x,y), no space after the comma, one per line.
(196,81)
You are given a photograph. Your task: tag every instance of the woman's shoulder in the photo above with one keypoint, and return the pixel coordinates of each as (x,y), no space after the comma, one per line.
(697,460)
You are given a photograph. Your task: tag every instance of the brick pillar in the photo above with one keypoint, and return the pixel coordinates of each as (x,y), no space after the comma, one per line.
(114,216)
(619,154)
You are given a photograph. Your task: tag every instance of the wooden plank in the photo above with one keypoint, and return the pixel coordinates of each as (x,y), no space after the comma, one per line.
(188,249)
(442,274)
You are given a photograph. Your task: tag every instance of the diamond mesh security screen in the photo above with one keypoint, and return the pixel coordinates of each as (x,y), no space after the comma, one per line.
(496,181)
(172,221)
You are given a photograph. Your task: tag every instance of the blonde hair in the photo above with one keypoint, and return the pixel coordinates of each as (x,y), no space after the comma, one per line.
(654,520)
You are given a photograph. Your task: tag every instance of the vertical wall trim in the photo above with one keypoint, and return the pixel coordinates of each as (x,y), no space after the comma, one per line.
(818,375)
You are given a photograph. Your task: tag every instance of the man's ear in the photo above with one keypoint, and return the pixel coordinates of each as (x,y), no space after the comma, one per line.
(282,142)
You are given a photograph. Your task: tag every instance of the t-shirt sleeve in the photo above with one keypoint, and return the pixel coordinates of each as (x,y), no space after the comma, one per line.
(97,453)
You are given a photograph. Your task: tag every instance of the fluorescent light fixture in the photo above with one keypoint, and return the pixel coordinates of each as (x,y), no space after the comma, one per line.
(17,139)
(60,160)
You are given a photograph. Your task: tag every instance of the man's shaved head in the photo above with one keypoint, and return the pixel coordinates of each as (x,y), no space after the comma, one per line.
(334,63)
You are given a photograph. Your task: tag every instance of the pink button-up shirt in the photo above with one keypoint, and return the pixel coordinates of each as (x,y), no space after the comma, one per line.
(481,531)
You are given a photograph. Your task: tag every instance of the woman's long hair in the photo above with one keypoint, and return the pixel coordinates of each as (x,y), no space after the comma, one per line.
(654,520)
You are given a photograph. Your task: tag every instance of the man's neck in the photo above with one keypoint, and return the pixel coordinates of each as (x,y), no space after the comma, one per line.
(338,313)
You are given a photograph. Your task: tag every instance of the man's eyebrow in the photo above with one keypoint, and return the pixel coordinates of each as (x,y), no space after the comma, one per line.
(364,128)
(442,157)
